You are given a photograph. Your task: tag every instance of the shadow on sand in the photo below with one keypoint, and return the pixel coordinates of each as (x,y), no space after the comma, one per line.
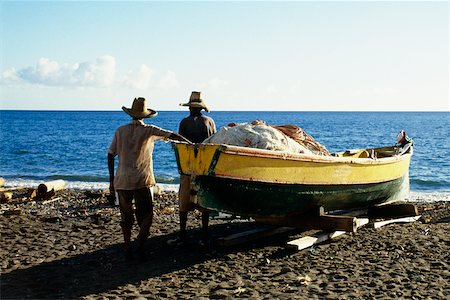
(107,269)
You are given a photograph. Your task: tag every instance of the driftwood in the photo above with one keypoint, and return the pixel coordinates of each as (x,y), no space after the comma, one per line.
(47,189)
(51,200)
(10,189)
(55,185)
(6,196)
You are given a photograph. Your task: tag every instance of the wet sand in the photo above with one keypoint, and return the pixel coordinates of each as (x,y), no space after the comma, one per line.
(72,248)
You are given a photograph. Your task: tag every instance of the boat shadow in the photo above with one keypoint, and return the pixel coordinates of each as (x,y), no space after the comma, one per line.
(106,269)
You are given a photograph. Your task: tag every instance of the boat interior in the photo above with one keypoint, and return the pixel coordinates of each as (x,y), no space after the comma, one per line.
(376,152)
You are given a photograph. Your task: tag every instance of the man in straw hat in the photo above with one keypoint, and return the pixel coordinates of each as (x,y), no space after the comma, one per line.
(133,144)
(196,128)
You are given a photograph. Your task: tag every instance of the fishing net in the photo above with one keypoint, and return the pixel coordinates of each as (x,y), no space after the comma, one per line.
(287,138)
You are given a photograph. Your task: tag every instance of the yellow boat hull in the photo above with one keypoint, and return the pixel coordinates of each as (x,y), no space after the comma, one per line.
(244,180)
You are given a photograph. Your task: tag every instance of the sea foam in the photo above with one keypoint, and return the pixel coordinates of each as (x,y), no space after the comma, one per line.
(79,185)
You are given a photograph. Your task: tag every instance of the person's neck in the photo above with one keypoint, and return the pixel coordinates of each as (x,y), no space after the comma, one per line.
(196,113)
(137,121)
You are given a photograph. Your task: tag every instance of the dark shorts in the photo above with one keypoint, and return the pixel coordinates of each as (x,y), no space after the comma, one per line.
(143,200)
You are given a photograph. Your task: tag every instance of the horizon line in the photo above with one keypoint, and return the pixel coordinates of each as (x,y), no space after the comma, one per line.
(325,111)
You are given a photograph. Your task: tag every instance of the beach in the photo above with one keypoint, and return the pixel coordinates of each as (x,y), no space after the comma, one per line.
(71,248)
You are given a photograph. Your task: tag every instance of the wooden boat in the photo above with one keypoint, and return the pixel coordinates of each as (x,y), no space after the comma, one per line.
(263,183)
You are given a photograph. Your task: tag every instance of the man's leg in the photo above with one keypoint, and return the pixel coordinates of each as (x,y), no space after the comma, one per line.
(205,231)
(127,242)
(144,215)
(183,224)
(127,219)
(184,197)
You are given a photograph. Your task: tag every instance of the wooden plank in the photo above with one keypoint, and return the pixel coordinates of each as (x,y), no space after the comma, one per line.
(337,223)
(250,235)
(351,213)
(306,222)
(361,222)
(393,211)
(308,241)
(399,220)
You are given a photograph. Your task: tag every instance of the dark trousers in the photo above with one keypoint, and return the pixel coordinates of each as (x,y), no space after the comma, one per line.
(143,200)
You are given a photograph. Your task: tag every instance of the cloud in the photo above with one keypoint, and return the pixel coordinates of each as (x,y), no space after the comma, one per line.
(9,75)
(141,79)
(100,73)
(169,81)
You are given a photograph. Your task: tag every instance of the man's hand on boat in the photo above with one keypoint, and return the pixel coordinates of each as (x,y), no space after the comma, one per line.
(175,137)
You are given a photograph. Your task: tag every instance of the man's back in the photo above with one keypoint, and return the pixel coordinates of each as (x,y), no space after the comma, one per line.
(133,143)
(197,128)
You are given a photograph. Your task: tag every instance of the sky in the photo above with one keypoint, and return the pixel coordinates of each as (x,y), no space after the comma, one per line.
(242,56)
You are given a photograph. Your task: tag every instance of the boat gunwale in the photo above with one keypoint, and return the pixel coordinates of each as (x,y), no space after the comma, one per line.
(264,153)
(237,151)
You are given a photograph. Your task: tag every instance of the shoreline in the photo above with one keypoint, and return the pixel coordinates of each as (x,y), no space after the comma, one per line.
(75,243)
(415,195)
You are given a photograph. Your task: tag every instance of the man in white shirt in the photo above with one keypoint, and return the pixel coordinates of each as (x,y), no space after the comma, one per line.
(133,144)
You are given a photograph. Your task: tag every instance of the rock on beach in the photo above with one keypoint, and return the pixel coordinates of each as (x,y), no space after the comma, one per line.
(72,248)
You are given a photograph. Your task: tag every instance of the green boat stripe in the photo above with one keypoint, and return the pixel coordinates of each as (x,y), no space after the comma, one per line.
(249,198)
(214,160)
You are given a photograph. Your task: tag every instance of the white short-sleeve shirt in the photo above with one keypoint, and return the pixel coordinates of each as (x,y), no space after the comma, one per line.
(133,144)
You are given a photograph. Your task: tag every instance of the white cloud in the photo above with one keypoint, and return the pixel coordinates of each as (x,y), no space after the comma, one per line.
(141,79)
(9,75)
(100,73)
(169,81)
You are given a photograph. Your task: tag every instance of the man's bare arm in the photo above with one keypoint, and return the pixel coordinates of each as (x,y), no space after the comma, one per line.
(177,137)
(111,175)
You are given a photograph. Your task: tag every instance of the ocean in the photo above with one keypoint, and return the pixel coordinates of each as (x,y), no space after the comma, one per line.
(38,146)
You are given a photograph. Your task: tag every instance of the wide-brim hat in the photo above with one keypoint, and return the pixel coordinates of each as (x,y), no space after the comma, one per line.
(139,109)
(196,101)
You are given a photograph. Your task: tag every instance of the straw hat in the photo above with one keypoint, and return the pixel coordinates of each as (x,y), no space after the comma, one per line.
(196,101)
(139,109)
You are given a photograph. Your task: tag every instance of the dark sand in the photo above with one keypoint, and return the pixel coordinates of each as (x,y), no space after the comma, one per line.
(72,248)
